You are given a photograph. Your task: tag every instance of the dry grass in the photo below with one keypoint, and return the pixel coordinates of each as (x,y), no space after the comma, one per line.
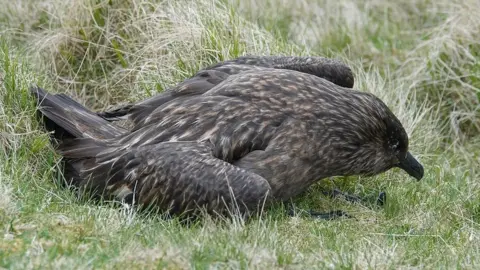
(420,57)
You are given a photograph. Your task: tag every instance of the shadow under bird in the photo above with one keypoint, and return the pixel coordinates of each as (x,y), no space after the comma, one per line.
(241,133)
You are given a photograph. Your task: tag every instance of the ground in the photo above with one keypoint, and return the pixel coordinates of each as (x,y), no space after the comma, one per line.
(420,57)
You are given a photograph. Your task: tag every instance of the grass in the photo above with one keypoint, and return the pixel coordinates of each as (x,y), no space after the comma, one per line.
(420,57)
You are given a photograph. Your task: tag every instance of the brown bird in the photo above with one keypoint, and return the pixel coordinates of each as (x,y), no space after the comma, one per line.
(241,133)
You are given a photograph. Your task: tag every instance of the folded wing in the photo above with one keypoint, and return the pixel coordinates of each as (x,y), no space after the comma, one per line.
(176,177)
(204,80)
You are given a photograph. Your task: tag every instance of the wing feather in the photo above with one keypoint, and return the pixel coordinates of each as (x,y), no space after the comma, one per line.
(177,177)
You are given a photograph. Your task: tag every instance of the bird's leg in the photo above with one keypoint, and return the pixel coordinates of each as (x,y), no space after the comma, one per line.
(334,193)
(335,214)
(381,199)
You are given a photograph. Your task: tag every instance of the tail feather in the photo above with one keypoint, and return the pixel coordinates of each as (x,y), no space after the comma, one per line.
(79,132)
(69,119)
(81,148)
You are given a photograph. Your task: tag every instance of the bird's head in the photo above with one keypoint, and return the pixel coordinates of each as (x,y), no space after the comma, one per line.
(395,148)
(373,140)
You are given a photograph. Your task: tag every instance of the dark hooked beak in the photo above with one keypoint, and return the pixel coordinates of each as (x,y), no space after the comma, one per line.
(411,166)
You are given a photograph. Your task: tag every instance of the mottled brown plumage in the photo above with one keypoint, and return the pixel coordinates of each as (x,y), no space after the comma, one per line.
(207,78)
(260,128)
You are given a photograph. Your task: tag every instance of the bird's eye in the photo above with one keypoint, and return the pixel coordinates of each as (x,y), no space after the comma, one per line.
(393,144)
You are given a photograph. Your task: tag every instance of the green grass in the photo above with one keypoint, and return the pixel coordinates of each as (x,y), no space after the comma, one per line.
(420,57)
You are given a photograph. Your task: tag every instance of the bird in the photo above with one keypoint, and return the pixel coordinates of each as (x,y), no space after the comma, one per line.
(238,135)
